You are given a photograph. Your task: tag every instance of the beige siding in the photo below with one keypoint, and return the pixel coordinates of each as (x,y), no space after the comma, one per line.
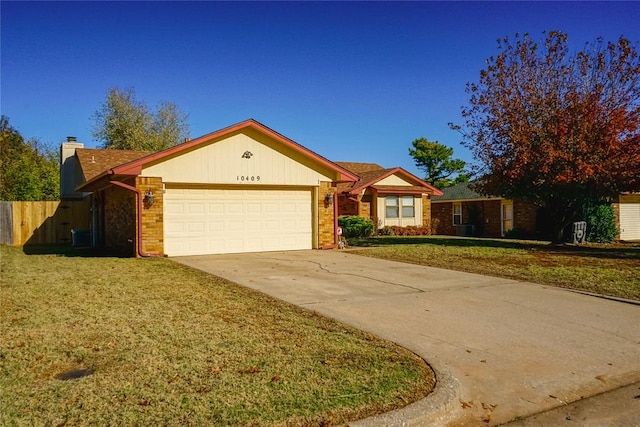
(222,162)
(393,180)
(402,222)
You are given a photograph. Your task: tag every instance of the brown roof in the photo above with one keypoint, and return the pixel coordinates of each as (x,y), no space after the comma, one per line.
(400,188)
(371,173)
(133,166)
(367,172)
(94,162)
(359,168)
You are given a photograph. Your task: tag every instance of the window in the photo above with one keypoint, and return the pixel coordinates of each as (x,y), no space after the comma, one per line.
(399,206)
(391,206)
(457,213)
(408,210)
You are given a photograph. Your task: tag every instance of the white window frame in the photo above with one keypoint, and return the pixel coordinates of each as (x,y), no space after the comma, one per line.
(457,213)
(409,205)
(395,213)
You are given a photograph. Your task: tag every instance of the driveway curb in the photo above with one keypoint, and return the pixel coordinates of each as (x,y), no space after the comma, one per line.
(439,407)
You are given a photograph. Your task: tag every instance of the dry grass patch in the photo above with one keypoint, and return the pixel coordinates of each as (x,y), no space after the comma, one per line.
(169,345)
(604,269)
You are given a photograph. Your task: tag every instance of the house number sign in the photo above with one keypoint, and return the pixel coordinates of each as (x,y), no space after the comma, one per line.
(248,178)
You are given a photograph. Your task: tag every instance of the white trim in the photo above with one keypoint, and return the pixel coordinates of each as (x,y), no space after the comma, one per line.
(453,213)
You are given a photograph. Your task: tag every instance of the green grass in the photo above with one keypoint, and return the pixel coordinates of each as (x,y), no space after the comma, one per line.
(612,270)
(169,345)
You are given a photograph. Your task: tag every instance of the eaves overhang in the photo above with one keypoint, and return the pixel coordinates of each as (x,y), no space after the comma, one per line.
(428,188)
(134,168)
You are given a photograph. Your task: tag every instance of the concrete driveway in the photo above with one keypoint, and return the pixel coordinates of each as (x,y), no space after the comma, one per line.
(501,349)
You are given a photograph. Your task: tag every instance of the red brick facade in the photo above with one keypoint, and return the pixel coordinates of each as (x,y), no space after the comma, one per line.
(349,206)
(120,220)
(484,215)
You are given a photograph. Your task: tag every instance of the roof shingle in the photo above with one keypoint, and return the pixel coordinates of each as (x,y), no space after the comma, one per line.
(93,161)
(462,191)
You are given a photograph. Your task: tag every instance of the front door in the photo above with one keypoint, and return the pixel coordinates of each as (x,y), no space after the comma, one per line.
(507,216)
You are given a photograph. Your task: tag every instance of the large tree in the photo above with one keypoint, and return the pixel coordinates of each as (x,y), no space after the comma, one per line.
(125,123)
(435,160)
(555,127)
(29,170)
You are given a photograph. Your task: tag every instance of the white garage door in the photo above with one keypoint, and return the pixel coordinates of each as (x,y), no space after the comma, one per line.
(629,217)
(215,221)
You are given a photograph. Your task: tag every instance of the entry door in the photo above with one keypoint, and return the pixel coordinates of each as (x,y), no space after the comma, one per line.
(507,216)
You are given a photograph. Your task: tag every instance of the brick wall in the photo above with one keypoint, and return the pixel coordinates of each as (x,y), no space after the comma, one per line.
(426,211)
(120,220)
(524,216)
(365,207)
(325,216)
(152,216)
(484,214)
(442,219)
(347,206)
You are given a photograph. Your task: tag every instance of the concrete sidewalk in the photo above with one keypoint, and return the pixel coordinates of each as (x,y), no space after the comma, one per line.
(620,407)
(501,349)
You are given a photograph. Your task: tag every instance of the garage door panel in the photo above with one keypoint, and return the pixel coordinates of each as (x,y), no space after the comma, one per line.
(196,208)
(272,225)
(253,226)
(216,226)
(629,221)
(207,221)
(177,208)
(196,227)
(235,226)
(254,208)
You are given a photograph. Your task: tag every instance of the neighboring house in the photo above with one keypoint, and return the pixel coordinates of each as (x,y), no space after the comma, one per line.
(461,211)
(245,188)
(389,197)
(627,209)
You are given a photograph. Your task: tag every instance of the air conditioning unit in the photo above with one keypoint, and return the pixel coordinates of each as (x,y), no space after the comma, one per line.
(465,230)
(80,237)
(579,234)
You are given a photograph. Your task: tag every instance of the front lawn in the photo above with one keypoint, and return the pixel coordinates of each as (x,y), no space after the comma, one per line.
(164,344)
(612,270)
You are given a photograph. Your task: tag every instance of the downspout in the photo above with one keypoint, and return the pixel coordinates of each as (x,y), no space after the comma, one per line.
(335,219)
(138,193)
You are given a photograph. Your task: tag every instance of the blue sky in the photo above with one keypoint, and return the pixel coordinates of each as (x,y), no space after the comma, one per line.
(353,81)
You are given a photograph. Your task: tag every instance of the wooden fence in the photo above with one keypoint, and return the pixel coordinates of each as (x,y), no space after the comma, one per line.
(42,223)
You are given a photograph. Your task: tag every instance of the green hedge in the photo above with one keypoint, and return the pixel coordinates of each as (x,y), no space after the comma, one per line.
(355,226)
(601,221)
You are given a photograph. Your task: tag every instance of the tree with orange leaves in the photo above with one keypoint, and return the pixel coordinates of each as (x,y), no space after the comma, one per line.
(554,127)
